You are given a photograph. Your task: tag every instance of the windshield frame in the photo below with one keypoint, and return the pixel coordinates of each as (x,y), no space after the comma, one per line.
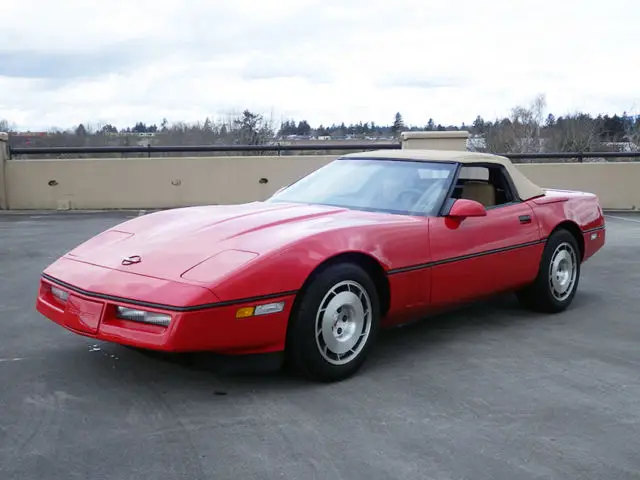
(435,211)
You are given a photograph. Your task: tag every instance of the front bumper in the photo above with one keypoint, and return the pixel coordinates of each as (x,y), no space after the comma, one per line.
(215,328)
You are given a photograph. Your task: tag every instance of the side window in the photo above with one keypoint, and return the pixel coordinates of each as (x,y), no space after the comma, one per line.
(485,184)
(473,172)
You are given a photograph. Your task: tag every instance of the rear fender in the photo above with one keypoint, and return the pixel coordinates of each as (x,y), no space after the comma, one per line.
(578,212)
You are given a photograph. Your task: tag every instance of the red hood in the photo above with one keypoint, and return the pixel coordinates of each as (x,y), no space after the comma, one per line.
(171,242)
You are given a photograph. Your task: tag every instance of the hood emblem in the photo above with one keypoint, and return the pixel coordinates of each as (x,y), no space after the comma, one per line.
(131,260)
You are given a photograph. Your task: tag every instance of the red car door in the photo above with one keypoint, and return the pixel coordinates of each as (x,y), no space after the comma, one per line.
(480,256)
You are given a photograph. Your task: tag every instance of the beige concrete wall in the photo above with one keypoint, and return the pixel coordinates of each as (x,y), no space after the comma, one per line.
(150,182)
(173,182)
(615,183)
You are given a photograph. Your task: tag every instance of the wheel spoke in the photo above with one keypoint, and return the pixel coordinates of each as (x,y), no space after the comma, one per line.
(343,322)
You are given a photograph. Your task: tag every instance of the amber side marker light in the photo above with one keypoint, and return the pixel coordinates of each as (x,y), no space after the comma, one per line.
(246,312)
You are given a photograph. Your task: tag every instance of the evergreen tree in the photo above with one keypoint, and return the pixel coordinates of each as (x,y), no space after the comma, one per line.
(398,124)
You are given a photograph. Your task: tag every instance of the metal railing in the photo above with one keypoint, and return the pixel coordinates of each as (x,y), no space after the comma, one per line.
(149,149)
(579,156)
(278,148)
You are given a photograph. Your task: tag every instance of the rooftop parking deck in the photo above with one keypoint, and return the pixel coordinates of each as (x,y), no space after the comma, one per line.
(489,392)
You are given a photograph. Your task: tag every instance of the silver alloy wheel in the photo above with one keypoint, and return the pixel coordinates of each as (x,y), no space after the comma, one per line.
(343,322)
(563,271)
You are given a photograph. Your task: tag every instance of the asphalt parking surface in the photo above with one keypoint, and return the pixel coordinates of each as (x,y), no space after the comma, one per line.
(488,392)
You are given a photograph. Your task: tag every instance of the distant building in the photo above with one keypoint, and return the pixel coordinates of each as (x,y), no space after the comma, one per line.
(29,134)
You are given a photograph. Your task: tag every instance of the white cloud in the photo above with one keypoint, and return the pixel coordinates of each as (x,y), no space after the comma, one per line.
(330,61)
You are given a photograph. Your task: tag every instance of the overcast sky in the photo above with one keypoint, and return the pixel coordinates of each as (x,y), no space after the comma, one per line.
(64,62)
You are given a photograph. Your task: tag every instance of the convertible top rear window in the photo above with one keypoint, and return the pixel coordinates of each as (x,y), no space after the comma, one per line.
(392,186)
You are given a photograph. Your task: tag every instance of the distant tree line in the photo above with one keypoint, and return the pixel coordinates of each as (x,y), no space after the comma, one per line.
(525,129)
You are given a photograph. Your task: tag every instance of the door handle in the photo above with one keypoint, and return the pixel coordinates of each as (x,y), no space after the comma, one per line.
(525,218)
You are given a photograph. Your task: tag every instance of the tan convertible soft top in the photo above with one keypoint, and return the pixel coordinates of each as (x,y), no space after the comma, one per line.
(525,187)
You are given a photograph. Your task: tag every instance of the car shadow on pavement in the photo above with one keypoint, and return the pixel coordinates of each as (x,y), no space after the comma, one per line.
(490,319)
(500,319)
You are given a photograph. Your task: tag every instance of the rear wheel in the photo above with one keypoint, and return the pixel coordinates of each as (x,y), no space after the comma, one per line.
(335,323)
(557,281)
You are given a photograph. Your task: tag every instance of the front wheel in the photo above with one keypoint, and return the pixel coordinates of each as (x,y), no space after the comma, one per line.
(335,323)
(557,281)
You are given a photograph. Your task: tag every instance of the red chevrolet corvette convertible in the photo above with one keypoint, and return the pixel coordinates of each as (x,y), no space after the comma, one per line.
(371,240)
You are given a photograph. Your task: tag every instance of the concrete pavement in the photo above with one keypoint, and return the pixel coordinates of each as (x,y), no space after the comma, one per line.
(488,392)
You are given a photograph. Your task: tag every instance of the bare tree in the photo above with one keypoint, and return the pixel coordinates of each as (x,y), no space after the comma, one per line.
(5,126)
(575,132)
(633,136)
(520,132)
(632,132)
(500,136)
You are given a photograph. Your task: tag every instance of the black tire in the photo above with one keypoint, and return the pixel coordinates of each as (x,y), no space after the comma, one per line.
(541,296)
(304,346)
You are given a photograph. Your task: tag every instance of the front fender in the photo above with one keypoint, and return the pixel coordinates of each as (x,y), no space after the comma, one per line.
(287,268)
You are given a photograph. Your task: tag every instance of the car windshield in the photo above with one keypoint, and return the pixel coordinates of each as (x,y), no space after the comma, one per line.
(390,186)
